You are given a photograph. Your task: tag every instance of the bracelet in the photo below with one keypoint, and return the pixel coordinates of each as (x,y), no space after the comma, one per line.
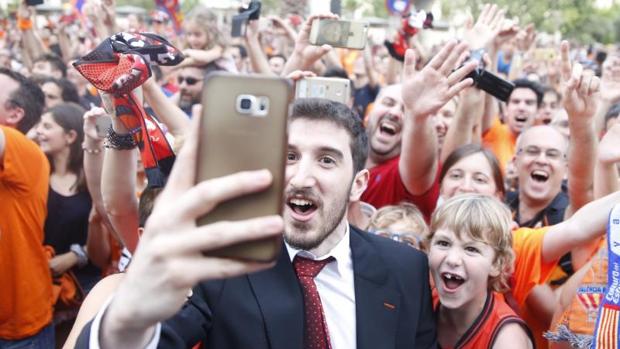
(80,252)
(92,151)
(119,142)
(24,24)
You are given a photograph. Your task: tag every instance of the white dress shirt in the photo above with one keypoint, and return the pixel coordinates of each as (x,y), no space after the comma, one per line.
(335,284)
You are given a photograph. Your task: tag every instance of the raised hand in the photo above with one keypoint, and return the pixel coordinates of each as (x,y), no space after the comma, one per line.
(578,87)
(90,123)
(426,91)
(169,259)
(525,38)
(610,80)
(488,26)
(304,54)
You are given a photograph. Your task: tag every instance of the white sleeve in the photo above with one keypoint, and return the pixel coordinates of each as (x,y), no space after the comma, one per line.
(93,341)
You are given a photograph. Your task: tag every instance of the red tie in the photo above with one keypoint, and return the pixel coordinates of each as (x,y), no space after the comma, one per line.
(316,335)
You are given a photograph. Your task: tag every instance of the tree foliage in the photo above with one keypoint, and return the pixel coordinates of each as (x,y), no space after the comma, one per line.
(578,20)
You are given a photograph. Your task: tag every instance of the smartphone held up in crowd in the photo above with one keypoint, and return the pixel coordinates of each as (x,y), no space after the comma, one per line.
(339,33)
(243,128)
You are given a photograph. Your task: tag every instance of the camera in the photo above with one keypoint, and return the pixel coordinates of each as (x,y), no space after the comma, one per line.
(487,81)
(239,22)
(252,105)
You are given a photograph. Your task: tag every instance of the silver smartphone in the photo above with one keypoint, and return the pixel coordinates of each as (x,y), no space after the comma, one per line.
(338,33)
(335,89)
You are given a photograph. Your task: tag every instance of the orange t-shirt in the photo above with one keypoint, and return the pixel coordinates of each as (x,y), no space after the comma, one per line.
(530,270)
(501,141)
(26,292)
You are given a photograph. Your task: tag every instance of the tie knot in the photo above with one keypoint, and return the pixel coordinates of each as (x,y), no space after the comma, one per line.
(309,267)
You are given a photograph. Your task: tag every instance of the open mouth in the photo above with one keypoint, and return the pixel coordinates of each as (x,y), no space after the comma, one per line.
(521,118)
(302,208)
(539,176)
(452,281)
(389,128)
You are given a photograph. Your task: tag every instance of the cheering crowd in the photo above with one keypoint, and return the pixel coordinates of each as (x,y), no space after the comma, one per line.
(424,212)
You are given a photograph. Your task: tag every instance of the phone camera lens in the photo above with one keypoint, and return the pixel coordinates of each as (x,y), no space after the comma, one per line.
(246,104)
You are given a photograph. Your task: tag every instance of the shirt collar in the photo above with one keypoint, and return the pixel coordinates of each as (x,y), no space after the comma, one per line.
(341,252)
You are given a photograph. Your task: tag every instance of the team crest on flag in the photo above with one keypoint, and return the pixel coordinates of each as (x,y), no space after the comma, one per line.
(590,297)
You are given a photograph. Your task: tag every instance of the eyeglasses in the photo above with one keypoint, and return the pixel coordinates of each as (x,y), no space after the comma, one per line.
(551,154)
(188,80)
(405,237)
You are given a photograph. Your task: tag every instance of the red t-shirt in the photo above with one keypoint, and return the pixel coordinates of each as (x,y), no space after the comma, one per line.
(385,187)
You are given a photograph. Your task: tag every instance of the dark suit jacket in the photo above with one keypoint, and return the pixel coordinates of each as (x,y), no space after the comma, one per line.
(265,309)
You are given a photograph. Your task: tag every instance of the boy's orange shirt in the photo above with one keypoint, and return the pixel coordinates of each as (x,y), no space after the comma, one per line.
(501,141)
(26,292)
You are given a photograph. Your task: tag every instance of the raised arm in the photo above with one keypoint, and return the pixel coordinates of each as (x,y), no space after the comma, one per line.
(373,79)
(489,32)
(118,187)
(259,61)
(170,261)
(585,225)
(610,91)
(468,114)
(580,91)
(305,55)
(423,94)
(169,113)
(31,41)
(606,170)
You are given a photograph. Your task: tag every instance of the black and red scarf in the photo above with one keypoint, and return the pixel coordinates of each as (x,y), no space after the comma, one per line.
(119,65)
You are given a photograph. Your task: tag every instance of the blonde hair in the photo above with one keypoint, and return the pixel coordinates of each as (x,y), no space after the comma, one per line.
(403,213)
(482,218)
(207,20)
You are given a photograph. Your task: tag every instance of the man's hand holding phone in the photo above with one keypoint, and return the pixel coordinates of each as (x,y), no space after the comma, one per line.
(305,54)
(169,260)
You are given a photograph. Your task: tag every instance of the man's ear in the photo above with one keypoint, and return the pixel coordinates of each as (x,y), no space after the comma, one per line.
(360,182)
(15,115)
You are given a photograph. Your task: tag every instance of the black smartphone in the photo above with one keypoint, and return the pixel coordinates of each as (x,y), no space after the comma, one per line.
(34,2)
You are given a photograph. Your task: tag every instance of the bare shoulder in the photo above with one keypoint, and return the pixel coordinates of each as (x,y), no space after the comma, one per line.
(92,304)
(512,336)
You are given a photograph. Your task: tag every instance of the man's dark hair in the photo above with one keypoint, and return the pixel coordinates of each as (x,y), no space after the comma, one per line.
(146,204)
(335,72)
(68,91)
(28,96)
(612,113)
(55,61)
(341,115)
(535,87)
(242,51)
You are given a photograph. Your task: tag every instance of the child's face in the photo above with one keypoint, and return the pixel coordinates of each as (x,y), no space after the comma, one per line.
(461,268)
(196,36)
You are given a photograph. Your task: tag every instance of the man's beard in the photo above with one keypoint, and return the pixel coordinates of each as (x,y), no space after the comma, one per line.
(332,219)
(186,101)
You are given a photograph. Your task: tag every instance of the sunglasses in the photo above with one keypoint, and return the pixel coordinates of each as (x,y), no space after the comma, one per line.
(188,80)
